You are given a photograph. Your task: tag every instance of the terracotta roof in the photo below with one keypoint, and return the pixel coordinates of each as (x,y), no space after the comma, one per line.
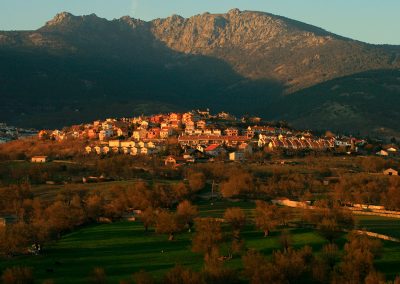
(212,147)
(213,137)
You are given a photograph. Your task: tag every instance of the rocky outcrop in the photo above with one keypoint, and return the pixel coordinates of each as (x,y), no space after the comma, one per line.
(257,45)
(263,46)
(240,61)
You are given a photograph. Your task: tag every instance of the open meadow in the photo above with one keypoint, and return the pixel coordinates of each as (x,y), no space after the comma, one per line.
(123,248)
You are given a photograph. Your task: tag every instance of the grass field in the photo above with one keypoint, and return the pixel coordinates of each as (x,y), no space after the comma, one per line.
(124,248)
(380,225)
(389,263)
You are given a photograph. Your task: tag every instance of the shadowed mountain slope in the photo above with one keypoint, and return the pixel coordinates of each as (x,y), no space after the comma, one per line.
(78,68)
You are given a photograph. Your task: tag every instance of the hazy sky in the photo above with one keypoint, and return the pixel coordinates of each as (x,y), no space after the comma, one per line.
(374,21)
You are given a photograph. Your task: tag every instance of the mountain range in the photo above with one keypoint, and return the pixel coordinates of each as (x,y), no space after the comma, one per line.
(79,68)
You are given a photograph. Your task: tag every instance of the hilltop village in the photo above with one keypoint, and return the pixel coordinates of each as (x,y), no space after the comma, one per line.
(199,135)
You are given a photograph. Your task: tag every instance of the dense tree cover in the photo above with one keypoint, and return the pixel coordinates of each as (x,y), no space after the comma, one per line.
(16,275)
(39,221)
(357,263)
(369,189)
(303,266)
(348,182)
(25,148)
(180,274)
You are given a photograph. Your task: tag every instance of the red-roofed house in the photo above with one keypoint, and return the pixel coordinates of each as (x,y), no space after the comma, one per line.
(214,150)
(153,133)
(175,116)
(156,118)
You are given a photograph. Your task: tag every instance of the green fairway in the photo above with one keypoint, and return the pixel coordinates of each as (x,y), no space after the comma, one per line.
(120,248)
(123,248)
(217,208)
(380,225)
(389,263)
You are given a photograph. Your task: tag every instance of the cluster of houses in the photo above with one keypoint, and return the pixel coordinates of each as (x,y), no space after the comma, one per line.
(198,133)
(9,133)
(128,147)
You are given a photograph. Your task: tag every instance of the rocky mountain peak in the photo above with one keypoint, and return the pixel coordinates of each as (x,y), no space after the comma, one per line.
(234,12)
(132,22)
(246,31)
(68,20)
(60,18)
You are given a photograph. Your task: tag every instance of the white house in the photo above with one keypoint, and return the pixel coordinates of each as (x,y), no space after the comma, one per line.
(200,148)
(217,132)
(128,144)
(390,172)
(134,151)
(98,150)
(236,156)
(382,153)
(150,145)
(39,159)
(114,143)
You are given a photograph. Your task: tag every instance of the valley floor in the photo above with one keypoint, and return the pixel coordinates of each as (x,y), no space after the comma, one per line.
(123,248)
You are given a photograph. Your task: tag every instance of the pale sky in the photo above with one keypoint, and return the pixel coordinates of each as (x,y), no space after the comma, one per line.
(373,21)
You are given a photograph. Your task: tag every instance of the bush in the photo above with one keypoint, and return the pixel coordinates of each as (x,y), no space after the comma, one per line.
(17,275)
